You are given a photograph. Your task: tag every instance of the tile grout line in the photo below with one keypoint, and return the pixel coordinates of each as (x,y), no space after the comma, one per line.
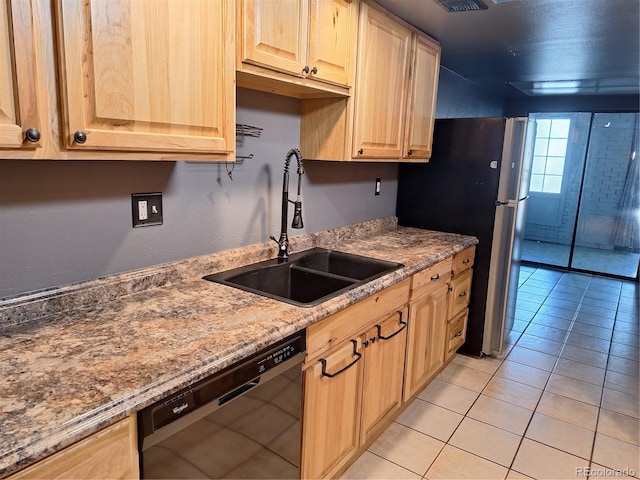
(494,374)
(595,436)
(523,436)
(509,468)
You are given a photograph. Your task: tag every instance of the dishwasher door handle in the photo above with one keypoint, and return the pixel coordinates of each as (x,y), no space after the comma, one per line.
(238,391)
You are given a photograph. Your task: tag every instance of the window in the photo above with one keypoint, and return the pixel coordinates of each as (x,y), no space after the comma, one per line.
(549,155)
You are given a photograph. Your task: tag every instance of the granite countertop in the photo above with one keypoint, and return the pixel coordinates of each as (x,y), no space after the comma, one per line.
(78,358)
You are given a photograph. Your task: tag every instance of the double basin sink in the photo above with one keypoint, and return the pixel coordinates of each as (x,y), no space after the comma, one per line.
(307,278)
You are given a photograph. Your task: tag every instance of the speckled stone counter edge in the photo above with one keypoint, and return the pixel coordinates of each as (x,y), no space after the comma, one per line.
(43,303)
(46,307)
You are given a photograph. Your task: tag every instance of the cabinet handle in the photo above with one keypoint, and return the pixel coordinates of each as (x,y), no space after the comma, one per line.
(463,294)
(314,70)
(306,69)
(79,137)
(410,152)
(323,361)
(360,152)
(32,135)
(400,321)
(466,260)
(435,277)
(459,334)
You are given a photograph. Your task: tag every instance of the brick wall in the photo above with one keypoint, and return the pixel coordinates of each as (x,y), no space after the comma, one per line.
(606,171)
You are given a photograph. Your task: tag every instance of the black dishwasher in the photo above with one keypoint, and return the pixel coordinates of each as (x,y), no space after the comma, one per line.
(243,422)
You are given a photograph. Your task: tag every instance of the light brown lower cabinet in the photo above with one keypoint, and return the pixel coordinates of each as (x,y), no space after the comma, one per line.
(352,388)
(383,372)
(331,410)
(362,364)
(108,454)
(365,362)
(456,333)
(461,279)
(426,342)
(460,291)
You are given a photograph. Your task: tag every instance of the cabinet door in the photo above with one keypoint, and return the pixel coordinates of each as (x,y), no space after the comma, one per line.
(421,104)
(380,86)
(383,371)
(332,38)
(148,75)
(426,338)
(109,453)
(18,81)
(275,34)
(331,408)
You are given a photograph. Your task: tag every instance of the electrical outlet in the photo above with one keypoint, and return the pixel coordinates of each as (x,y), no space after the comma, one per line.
(378,182)
(146,209)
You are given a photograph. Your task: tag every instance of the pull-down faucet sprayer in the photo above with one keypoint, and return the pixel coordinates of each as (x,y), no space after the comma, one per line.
(283,242)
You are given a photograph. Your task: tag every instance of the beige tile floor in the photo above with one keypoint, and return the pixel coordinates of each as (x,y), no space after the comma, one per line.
(563,403)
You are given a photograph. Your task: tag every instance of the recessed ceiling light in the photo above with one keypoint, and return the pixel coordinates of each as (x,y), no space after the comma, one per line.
(582,87)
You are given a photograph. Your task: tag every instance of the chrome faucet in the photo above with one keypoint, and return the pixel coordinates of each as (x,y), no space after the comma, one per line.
(283,241)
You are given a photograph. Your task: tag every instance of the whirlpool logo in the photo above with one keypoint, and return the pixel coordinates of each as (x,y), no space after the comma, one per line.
(180,408)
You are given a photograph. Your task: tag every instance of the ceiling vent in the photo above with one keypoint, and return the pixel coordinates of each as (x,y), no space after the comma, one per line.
(462,5)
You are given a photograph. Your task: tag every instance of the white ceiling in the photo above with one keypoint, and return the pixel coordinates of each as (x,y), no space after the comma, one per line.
(552,46)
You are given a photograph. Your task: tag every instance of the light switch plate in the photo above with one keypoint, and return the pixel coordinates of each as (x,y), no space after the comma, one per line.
(146,209)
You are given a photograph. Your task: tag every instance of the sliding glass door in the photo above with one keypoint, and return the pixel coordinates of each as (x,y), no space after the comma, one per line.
(607,239)
(554,193)
(583,212)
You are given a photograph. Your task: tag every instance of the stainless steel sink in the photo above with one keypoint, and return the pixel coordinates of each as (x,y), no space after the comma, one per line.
(307,278)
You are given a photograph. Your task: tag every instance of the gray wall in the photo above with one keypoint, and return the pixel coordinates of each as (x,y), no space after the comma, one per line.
(64,222)
(69,221)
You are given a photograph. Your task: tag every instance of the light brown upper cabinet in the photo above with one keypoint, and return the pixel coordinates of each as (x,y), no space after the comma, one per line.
(390,115)
(299,48)
(148,76)
(383,61)
(19,113)
(421,100)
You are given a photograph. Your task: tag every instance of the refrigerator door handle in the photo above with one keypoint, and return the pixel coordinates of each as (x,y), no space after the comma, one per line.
(510,202)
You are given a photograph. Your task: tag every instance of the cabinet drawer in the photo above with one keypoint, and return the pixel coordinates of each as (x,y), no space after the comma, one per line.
(430,278)
(456,332)
(464,260)
(353,320)
(460,290)
(338,360)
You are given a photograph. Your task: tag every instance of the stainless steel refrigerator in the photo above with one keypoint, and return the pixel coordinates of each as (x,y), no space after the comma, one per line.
(476,183)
